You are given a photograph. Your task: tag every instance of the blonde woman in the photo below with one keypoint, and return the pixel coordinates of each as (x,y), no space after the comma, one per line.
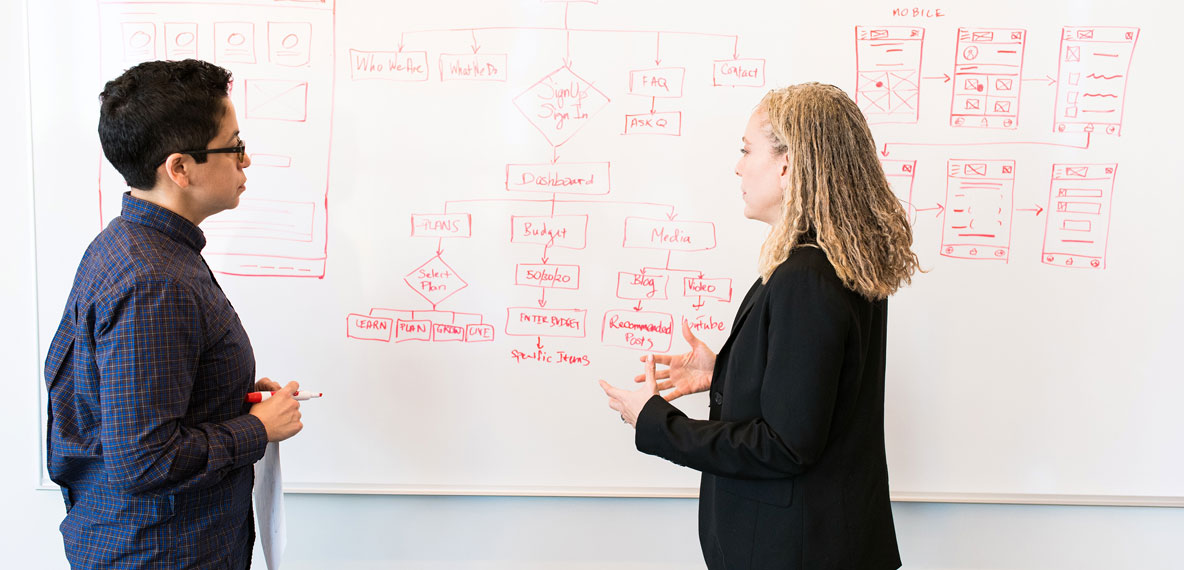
(793,462)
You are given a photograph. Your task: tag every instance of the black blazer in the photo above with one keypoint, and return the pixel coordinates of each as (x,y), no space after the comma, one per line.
(794,470)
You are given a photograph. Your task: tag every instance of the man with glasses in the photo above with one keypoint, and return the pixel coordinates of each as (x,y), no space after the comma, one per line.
(150,437)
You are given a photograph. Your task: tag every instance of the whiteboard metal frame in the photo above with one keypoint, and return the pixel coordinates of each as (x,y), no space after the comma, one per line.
(42,469)
(692,493)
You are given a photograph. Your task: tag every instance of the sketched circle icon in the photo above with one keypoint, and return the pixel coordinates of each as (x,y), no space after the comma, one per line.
(949,250)
(1111,129)
(290,41)
(1061,127)
(1095,263)
(1068,261)
(970,52)
(139,40)
(236,39)
(959,121)
(184,39)
(1000,253)
(973,251)
(1050,259)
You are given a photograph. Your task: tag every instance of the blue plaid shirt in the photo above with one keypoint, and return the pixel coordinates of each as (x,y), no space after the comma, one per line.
(148,433)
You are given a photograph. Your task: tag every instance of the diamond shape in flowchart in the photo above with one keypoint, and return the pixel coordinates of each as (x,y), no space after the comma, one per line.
(435,281)
(560,104)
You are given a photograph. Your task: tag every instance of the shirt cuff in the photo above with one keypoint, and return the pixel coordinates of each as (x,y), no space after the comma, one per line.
(250,439)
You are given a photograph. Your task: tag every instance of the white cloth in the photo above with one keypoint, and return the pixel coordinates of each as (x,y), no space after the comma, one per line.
(269,506)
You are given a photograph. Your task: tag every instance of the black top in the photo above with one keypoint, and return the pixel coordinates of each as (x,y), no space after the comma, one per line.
(793,462)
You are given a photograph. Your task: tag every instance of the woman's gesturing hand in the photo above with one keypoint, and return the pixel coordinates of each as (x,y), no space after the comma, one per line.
(630,402)
(684,373)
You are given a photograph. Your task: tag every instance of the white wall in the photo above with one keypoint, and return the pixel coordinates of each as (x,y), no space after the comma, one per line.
(356,532)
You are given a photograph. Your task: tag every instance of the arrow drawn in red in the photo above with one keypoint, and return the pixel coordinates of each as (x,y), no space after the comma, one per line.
(567,51)
(1050,80)
(938,207)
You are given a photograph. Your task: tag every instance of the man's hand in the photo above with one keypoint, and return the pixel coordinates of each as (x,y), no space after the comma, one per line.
(280,413)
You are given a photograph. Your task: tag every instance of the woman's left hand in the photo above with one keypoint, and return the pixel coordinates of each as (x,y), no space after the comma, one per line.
(630,402)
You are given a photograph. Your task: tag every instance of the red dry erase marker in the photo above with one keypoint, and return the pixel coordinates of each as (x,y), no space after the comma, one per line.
(256,397)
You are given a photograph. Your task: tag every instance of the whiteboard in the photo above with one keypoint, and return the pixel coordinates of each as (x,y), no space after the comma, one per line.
(460,215)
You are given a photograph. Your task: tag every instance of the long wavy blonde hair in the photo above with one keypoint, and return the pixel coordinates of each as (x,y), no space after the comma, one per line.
(838,198)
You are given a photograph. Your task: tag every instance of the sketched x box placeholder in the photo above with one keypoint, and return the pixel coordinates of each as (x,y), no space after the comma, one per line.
(278,100)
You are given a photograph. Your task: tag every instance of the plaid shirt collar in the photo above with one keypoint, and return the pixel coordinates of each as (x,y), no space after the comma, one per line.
(163,220)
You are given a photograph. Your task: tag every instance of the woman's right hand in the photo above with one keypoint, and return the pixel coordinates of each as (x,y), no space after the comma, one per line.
(280,413)
(684,373)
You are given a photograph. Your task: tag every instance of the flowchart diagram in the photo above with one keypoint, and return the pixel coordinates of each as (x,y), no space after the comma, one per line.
(559,105)
(985,92)
(285,56)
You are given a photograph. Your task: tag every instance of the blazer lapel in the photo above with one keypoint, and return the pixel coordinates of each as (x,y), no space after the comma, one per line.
(745,308)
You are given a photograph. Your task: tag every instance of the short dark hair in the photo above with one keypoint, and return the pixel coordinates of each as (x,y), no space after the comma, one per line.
(157,108)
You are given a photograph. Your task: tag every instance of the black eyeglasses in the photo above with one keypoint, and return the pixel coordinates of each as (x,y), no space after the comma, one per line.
(240,150)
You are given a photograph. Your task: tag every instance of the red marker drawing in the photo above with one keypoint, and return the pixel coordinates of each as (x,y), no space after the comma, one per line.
(256,397)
